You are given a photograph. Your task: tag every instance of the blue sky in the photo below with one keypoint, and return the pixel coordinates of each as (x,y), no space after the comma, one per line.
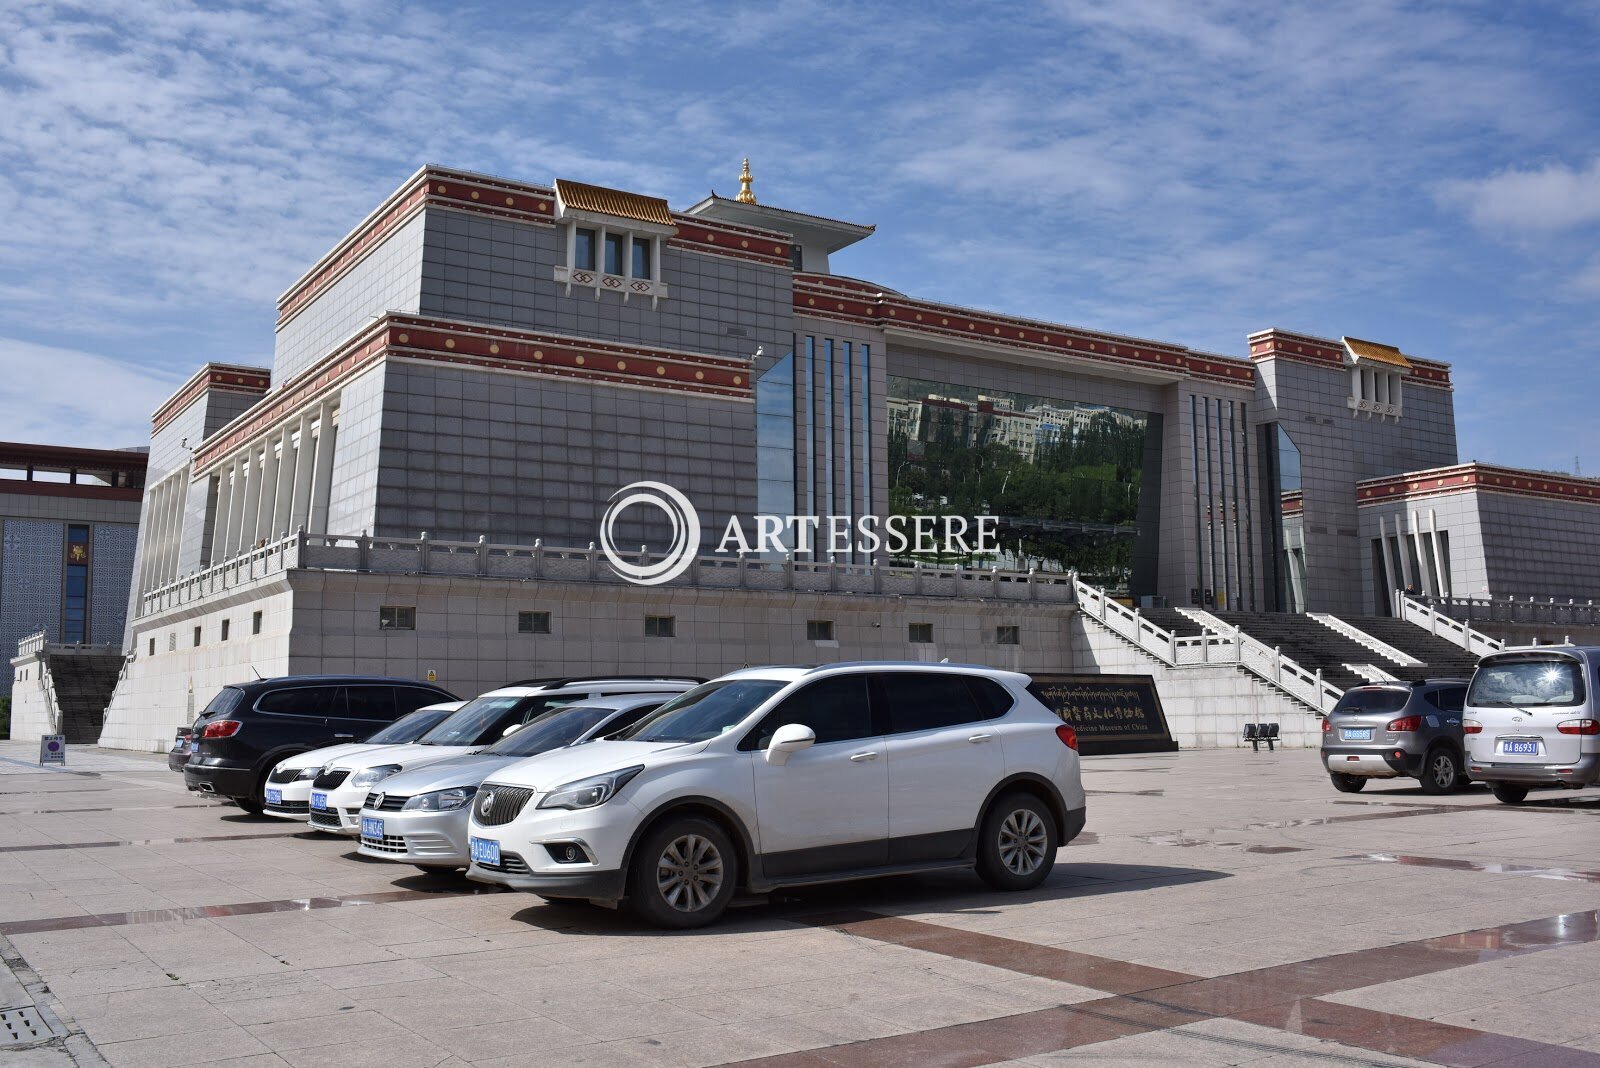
(1422,174)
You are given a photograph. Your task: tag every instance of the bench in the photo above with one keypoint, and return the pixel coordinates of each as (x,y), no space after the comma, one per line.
(1256,733)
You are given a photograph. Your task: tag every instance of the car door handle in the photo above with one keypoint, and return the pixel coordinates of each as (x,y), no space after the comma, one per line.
(980,737)
(862,758)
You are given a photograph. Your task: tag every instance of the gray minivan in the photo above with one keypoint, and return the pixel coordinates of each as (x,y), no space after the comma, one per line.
(1531,719)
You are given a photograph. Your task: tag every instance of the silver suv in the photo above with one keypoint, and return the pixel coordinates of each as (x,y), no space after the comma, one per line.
(1531,720)
(1396,729)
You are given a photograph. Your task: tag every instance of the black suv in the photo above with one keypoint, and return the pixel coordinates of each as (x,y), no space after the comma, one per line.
(247,728)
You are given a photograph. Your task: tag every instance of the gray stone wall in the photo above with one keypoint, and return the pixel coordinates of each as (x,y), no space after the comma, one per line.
(357,453)
(469,453)
(502,271)
(1339,448)
(389,278)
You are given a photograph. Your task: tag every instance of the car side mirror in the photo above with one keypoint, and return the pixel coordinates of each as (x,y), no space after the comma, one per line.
(788,740)
(514,728)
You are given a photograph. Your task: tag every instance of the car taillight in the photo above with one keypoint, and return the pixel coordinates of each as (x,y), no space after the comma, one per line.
(1405,723)
(1327,725)
(1068,736)
(222,728)
(1471,726)
(1579,726)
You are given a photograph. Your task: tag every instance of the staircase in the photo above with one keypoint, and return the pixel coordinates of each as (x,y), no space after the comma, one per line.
(1310,644)
(1442,658)
(81,682)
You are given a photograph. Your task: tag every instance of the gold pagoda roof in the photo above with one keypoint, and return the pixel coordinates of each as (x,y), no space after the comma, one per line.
(624,205)
(1371,350)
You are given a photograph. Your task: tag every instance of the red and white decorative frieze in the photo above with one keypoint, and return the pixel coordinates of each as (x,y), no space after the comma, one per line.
(221,376)
(449,341)
(1476,476)
(1328,353)
(849,300)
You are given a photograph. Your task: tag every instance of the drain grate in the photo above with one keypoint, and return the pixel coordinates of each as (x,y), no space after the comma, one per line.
(19,1027)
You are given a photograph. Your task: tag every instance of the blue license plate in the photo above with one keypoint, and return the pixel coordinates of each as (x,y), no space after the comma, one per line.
(485,851)
(1358,734)
(319,800)
(194,747)
(1522,748)
(371,827)
(274,797)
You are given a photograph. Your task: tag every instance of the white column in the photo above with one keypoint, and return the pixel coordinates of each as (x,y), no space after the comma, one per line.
(1400,543)
(252,501)
(219,516)
(1381,381)
(322,472)
(284,499)
(1368,390)
(241,489)
(1383,560)
(1438,557)
(1355,382)
(305,450)
(1424,572)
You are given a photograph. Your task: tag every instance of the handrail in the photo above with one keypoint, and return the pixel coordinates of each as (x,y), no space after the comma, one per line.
(426,556)
(1219,643)
(1443,626)
(1514,609)
(1362,638)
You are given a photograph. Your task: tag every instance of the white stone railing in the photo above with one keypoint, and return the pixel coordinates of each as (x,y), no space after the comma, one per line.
(1515,609)
(1218,644)
(33,643)
(1435,622)
(1362,638)
(426,556)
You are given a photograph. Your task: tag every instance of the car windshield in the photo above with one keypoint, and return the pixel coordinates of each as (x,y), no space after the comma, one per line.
(410,727)
(1527,683)
(554,729)
(1373,700)
(704,712)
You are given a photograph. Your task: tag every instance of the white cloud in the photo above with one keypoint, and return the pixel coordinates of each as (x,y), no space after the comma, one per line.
(1541,200)
(67,397)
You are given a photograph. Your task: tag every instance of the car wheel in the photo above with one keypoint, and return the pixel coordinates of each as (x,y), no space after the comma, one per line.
(1017,847)
(683,873)
(1348,784)
(1440,770)
(1509,793)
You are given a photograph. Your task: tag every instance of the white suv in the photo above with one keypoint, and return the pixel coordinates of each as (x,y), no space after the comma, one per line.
(782,776)
(340,789)
(1532,718)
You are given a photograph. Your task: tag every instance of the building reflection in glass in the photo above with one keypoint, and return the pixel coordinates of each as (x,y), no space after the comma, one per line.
(1063,477)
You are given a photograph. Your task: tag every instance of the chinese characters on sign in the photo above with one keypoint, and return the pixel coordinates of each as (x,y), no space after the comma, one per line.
(53,749)
(1111,713)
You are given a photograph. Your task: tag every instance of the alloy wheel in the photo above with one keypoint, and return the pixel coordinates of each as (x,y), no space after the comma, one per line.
(689,872)
(1444,771)
(1022,841)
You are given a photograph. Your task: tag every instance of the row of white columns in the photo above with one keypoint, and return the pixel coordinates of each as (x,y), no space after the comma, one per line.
(1430,574)
(162,524)
(278,485)
(1383,387)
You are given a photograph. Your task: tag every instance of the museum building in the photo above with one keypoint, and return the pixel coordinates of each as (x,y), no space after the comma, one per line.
(461,385)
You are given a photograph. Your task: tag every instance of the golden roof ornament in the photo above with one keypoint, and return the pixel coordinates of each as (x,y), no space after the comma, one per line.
(746,196)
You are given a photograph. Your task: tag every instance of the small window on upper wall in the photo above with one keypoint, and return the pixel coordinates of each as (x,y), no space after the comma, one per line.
(641,258)
(152,647)
(583,250)
(1008,635)
(197,637)
(920,634)
(172,642)
(533,622)
(614,253)
(397,617)
(226,626)
(660,626)
(255,623)
(819,630)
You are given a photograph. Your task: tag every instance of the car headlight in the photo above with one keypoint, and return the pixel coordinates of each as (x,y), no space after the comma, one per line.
(587,793)
(368,776)
(308,773)
(441,800)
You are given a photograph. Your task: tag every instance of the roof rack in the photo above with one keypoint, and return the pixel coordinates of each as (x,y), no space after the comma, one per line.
(557,681)
(1442,679)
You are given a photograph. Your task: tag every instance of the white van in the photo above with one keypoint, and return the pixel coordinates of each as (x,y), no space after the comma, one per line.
(1531,720)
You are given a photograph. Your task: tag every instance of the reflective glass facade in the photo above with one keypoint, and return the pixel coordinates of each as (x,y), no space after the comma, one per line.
(1065,478)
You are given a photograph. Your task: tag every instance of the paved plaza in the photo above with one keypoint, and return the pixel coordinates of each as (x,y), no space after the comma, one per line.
(1223,907)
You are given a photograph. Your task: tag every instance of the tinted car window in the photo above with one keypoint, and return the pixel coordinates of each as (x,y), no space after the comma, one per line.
(1448,700)
(993,699)
(836,710)
(485,719)
(1373,700)
(408,728)
(317,701)
(554,729)
(226,701)
(704,712)
(410,698)
(919,702)
(369,702)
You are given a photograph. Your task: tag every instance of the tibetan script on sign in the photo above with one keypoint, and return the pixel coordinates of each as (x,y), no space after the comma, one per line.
(1111,713)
